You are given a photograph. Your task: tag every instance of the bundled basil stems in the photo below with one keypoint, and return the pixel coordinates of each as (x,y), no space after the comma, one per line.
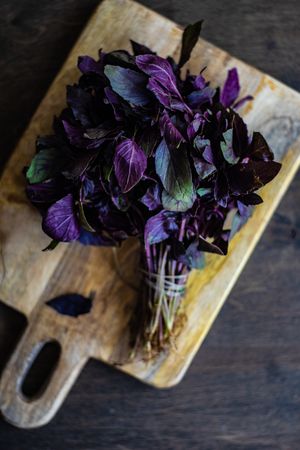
(142,151)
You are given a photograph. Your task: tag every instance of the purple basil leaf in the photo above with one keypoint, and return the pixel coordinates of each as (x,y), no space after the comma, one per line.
(160,227)
(193,126)
(140,49)
(201,144)
(129,84)
(173,168)
(162,81)
(199,82)
(221,191)
(168,130)
(115,102)
(240,136)
(189,38)
(259,149)
(60,222)
(226,147)
(152,199)
(193,258)
(231,89)
(119,199)
(86,64)
(75,134)
(73,305)
(198,98)
(81,103)
(130,163)
(203,168)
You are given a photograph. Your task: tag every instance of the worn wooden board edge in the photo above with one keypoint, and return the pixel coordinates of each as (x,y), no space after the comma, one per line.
(159,373)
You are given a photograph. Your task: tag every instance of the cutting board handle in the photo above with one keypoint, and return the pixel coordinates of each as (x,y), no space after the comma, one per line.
(44,326)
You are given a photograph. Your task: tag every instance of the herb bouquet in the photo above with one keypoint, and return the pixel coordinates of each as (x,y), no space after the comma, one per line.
(142,151)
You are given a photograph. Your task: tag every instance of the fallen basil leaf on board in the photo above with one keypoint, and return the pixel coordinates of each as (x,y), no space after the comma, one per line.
(145,149)
(73,305)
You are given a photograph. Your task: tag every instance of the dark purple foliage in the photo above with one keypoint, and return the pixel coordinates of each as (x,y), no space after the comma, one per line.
(73,305)
(142,151)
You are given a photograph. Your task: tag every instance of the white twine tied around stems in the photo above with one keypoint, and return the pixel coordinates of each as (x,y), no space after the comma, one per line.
(167,283)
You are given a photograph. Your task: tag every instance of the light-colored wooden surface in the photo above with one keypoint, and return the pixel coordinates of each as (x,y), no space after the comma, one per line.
(32,277)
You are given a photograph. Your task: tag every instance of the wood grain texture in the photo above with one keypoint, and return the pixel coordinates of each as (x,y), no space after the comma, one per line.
(232,439)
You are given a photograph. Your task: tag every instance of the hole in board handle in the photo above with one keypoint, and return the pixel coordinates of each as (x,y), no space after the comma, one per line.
(38,375)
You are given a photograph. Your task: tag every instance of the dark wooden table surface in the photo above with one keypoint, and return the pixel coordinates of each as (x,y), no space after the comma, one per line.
(243,388)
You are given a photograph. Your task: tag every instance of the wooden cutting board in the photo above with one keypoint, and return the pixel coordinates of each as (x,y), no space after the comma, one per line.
(31,277)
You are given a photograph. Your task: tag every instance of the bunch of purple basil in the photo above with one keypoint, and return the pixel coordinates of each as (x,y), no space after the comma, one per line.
(141,151)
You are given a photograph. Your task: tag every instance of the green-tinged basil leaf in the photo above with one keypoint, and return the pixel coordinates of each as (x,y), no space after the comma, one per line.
(173,168)
(203,191)
(226,147)
(46,164)
(172,204)
(83,220)
(129,84)
(189,38)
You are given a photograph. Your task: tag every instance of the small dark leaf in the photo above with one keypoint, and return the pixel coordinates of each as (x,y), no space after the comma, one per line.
(139,49)
(206,246)
(73,305)
(189,38)
(250,199)
(53,244)
(240,136)
(259,149)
